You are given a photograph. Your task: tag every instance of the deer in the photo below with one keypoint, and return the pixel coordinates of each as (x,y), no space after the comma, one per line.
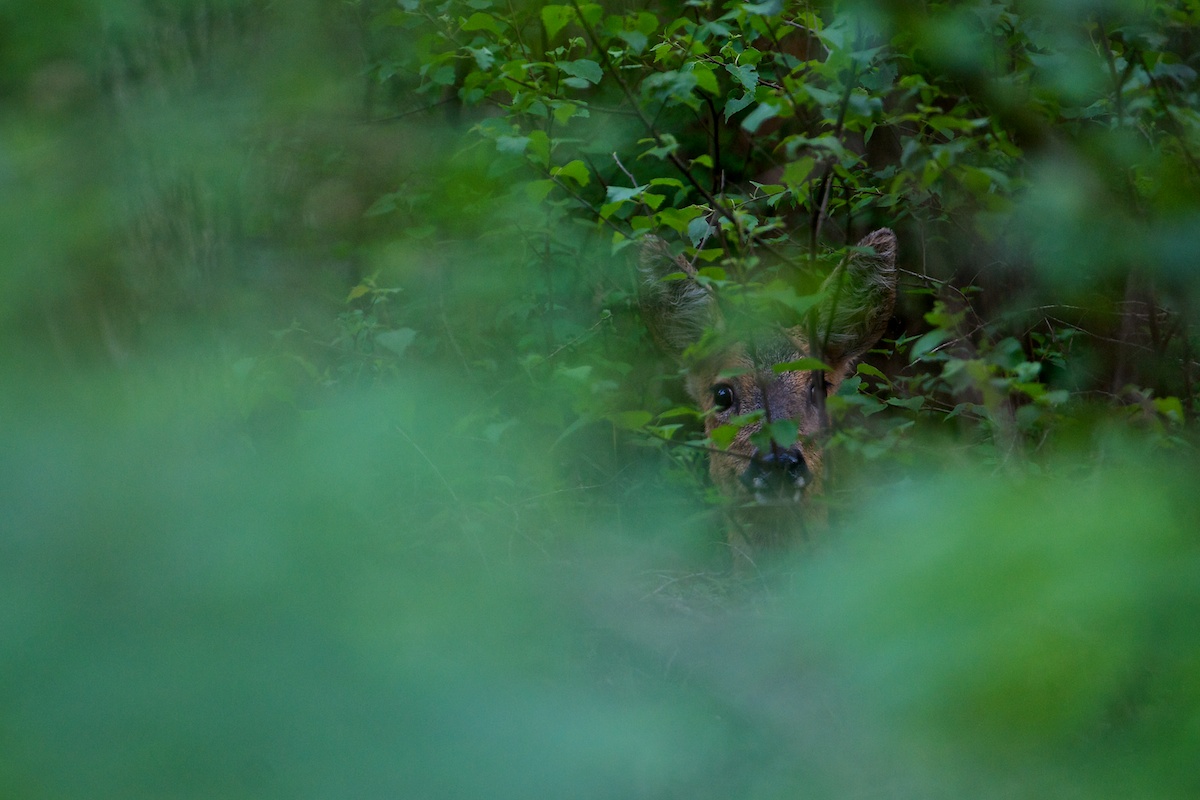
(729,375)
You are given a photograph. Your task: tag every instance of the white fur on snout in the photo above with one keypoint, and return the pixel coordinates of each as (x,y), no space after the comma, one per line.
(758,485)
(799,483)
(761,483)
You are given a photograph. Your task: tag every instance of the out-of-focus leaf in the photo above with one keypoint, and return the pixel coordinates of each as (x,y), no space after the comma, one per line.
(398,341)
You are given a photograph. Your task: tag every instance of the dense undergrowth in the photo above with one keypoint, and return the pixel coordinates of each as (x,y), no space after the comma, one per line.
(335,459)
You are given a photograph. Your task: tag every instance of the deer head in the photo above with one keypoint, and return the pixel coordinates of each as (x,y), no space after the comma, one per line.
(731,375)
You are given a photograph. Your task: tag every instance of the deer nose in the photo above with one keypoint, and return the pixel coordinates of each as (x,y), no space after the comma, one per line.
(779,475)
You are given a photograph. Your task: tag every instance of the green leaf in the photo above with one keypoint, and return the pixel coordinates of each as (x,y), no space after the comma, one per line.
(824,97)
(576,374)
(397,341)
(912,403)
(737,104)
(746,75)
(620,194)
(667,182)
(867,369)
(783,432)
(698,230)
(678,219)
(636,40)
(867,405)
(606,211)
(1059,396)
(537,191)
(575,170)
(758,116)
(483,57)
(680,411)
(705,79)
(667,144)
(482,22)
(591,13)
(583,68)
(631,420)
(966,408)
(797,172)
(563,112)
(724,435)
(767,189)
(923,346)
(443,75)
(512,144)
(766,9)
(539,146)
(664,431)
(555,18)
(1034,391)
(942,318)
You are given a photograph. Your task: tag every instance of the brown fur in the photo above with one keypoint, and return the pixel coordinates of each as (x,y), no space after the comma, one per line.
(685,320)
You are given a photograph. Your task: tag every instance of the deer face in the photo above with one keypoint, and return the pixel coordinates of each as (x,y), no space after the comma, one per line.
(742,381)
(741,377)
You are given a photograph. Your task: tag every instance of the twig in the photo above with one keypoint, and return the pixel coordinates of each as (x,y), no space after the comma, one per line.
(675,160)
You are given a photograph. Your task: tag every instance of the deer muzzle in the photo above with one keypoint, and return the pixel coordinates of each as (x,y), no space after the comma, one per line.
(778,476)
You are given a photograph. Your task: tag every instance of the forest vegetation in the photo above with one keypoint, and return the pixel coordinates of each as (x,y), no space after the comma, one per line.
(336,458)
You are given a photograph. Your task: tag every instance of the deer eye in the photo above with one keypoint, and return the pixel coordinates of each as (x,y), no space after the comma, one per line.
(818,384)
(722,395)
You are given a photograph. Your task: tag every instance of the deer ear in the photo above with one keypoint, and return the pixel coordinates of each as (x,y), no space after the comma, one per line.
(859,298)
(677,310)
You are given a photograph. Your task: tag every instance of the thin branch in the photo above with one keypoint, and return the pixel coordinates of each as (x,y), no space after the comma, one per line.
(827,180)
(675,160)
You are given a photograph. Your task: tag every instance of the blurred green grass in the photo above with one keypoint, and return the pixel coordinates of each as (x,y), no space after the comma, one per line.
(186,616)
(190,614)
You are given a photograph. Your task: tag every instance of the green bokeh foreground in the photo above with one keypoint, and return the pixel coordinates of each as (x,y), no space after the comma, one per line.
(233,568)
(351,611)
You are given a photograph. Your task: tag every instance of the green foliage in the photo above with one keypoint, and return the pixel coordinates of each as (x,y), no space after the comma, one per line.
(336,460)
(1013,148)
